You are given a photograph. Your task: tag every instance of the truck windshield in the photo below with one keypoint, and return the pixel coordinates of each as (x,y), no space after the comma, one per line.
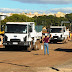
(15,28)
(55,30)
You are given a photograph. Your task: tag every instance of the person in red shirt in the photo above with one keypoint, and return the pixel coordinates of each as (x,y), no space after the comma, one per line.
(46,46)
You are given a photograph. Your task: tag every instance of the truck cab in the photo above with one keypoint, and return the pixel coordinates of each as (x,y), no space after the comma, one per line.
(20,34)
(59,33)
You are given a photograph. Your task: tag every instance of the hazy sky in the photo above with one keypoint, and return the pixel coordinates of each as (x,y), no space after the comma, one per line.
(47,6)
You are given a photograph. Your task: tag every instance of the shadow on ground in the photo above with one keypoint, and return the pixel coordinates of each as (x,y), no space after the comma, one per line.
(58,43)
(65,50)
(15,48)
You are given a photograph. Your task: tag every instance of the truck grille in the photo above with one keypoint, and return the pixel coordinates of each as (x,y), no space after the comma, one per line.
(15,40)
(55,36)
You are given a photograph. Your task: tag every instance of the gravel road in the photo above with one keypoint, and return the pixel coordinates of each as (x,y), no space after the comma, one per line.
(35,61)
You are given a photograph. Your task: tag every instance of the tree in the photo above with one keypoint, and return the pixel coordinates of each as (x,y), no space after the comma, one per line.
(17,18)
(40,20)
(69,17)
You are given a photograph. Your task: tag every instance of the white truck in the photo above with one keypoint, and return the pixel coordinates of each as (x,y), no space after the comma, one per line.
(58,33)
(21,34)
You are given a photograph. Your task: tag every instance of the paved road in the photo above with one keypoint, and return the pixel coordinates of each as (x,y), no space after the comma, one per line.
(22,61)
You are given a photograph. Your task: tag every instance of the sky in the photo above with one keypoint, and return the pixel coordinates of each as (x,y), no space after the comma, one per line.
(41,6)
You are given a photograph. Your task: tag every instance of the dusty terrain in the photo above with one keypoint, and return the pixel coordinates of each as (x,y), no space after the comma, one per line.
(59,59)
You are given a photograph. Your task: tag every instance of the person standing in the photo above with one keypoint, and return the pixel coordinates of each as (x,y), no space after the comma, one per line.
(46,45)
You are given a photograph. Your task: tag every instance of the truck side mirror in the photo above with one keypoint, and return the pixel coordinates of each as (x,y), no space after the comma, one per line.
(30,29)
(64,30)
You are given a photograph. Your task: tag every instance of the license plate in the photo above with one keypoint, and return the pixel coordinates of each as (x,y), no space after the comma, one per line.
(55,38)
(15,43)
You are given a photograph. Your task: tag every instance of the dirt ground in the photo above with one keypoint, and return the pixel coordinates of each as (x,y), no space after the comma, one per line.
(59,59)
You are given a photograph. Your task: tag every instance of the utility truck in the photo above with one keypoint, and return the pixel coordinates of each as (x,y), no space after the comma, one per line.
(58,34)
(21,34)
